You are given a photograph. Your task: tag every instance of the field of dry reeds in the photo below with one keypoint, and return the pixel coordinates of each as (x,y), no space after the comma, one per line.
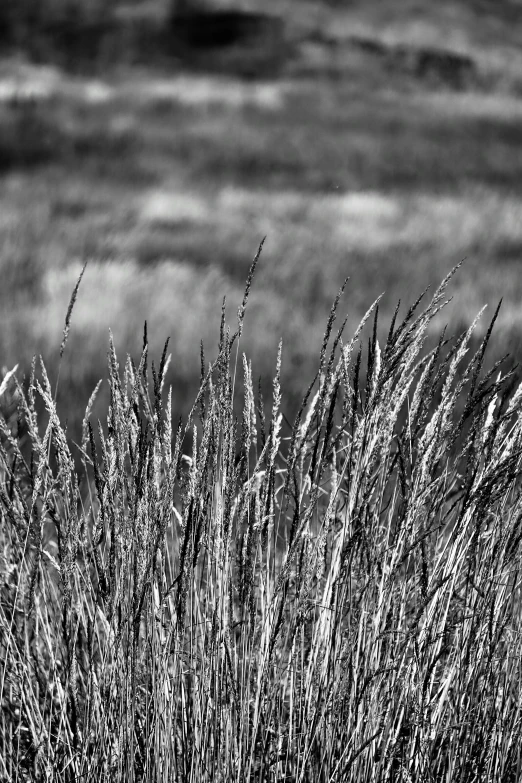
(310,579)
(244,598)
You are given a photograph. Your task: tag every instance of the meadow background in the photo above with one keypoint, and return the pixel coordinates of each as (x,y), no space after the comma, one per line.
(379,141)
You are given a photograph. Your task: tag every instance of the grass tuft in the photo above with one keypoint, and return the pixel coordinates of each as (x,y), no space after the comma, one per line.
(238,599)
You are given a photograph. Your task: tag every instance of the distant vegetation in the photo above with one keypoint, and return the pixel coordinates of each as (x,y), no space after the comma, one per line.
(82,35)
(50,27)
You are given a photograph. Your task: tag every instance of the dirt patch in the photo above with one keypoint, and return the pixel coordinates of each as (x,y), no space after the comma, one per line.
(243,42)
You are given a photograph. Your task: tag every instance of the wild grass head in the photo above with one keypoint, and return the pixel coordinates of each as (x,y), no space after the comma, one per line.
(237,598)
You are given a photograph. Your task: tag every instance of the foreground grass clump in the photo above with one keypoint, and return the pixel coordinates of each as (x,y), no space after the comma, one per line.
(233,601)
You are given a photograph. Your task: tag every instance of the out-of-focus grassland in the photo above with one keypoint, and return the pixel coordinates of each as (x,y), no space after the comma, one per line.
(166,180)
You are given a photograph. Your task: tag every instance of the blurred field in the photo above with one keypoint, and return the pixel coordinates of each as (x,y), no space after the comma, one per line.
(355,156)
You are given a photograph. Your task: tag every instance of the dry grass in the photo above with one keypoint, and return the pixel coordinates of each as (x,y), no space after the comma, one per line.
(240,599)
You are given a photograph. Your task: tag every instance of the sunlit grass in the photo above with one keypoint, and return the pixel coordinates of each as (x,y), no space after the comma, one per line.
(243,598)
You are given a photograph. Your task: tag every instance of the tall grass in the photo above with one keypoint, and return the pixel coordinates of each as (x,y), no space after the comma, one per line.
(237,599)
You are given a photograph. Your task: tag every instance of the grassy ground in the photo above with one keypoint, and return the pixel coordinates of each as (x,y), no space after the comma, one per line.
(166,180)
